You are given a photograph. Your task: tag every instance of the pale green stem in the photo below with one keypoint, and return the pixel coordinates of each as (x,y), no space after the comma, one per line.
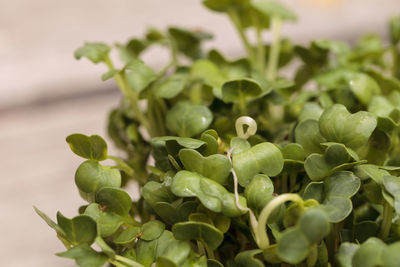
(238,25)
(116,263)
(132,96)
(210,253)
(266,212)
(260,46)
(386,221)
(275,48)
(128,261)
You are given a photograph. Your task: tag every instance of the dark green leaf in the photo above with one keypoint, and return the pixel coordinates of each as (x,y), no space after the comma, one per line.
(90,147)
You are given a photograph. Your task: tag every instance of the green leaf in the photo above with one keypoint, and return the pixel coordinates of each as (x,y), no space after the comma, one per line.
(188,42)
(139,75)
(187,119)
(95,52)
(216,167)
(363,87)
(81,229)
(247,259)
(107,222)
(90,147)
(369,254)
(336,157)
(172,86)
(293,155)
(203,232)
(353,130)
(394,25)
(85,256)
(308,136)
(91,176)
(334,194)
(114,200)
(263,158)
(274,9)
(223,5)
(122,165)
(152,230)
(392,185)
(391,256)
(345,254)
(109,74)
(243,90)
(208,72)
(259,192)
(210,193)
(127,236)
(295,243)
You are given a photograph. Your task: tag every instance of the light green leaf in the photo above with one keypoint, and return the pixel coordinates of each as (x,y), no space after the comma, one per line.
(353,130)
(259,192)
(334,194)
(107,222)
(242,90)
(210,193)
(308,136)
(263,158)
(95,52)
(139,75)
(345,254)
(91,176)
(203,232)
(187,119)
(392,185)
(172,86)
(274,9)
(247,259)
(216,167)
(127,236)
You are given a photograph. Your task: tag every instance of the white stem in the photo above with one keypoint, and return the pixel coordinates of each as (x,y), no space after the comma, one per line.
(251,130)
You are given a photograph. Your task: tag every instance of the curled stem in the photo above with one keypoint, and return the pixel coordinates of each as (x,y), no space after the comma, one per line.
(266,212)
(241,122)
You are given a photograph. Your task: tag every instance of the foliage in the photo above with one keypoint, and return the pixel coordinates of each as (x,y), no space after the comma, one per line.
(246,167)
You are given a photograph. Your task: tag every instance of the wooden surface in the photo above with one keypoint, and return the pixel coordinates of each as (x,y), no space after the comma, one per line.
(46,95)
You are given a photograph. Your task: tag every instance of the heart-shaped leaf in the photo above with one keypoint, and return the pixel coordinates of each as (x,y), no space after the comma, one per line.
(294,156)
(81,229)
(187,119)
(353,130)
(295,243)
(114,200)
(139,75)
(247,259)
(240,91)
(91,176)
(336,157)
(259,192)
(203,232)
(208,72)
(172,86)
(334,194)
(107,222)
(152,230)
(188,42)
(363,87)
(90,147)
(216,167)
(85,256)
(95,52)
(369,253)
(127,236)
(210,193)
(308,136)
(263,158)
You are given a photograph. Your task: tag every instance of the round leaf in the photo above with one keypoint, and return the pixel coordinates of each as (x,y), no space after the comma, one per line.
(90,147)
(91,176)
(115,200)
(187,119)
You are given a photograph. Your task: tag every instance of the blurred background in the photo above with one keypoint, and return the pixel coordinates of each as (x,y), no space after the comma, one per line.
(45,94)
